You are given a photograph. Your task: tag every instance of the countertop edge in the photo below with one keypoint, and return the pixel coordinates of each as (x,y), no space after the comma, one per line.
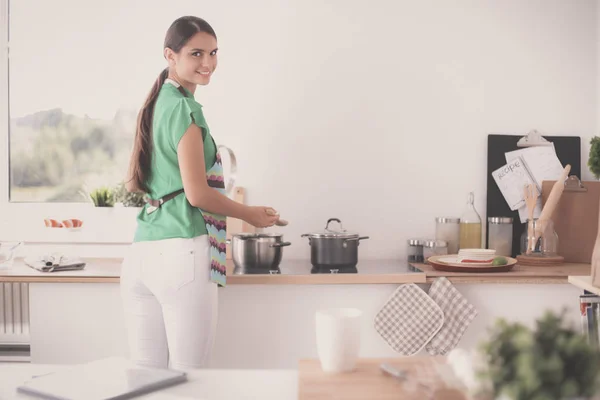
(526,275)
(584,282)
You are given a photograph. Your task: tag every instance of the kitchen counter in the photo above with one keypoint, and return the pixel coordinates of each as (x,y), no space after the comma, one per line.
(297,272)
(367,381)
(584,282)
(107,270)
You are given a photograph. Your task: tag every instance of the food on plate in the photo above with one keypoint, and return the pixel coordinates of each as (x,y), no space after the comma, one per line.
(467,261)
(499,261)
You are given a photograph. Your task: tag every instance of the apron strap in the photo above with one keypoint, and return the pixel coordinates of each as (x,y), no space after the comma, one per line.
(162,200)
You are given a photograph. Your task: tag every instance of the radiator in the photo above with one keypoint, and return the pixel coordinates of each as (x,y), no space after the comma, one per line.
(14,313)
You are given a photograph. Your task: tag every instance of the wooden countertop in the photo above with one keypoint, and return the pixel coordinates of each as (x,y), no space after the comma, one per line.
(519,274)
(367,381)
(297,272)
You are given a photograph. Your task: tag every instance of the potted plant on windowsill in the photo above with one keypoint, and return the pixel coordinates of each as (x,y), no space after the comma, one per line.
(128,199)
(551,361)
(102,197)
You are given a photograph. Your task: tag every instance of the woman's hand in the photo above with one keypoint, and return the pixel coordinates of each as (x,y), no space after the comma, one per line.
(261,217)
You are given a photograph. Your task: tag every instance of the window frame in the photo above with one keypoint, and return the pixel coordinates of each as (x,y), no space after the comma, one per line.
(24,221)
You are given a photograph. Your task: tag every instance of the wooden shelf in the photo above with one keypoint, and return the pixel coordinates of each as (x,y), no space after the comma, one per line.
(519,274)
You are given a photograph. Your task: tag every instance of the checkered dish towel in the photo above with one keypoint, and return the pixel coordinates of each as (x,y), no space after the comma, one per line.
(458,314)
(409,319)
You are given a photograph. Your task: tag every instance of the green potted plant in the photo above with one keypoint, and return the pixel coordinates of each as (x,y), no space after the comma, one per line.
(103,197)
(594,159)
(128,199)
(551,361)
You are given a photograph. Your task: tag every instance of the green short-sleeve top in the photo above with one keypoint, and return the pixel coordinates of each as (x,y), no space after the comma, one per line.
(175,110)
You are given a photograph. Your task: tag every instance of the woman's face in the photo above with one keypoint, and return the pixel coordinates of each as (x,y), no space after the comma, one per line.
(196,61)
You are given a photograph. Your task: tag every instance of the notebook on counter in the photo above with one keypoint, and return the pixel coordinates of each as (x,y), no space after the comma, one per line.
(54,263)
(111,378)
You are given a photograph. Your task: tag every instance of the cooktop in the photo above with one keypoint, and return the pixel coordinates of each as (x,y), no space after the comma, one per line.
(304,267)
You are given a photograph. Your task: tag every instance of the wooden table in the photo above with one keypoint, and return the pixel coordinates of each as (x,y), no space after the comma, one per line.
(367,381)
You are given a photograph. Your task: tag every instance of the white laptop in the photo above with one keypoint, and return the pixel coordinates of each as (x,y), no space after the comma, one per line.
(106,379)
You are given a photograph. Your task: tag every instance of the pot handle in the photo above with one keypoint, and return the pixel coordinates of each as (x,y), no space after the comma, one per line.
(282,244)
(356,239)
(336,220)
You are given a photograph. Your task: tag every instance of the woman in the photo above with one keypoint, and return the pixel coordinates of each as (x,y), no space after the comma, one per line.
(169,280)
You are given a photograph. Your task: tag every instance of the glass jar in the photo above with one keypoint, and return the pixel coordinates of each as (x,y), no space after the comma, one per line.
(434,248)
(539,238)
(448,230)
(7,253)
(470,226)
(500,231)
(414,250)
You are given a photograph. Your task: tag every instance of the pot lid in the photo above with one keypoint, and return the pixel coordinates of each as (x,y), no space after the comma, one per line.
(261,235)
(333,232)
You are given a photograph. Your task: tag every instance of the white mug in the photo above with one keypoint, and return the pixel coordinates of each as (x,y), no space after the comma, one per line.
(232,169)
(338,338)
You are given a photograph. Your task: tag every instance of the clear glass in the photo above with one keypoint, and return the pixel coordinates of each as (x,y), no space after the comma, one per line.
(539,239)
(500,238)
(434,248)
(414,250)
(448,230)
(470,226)
(7,253)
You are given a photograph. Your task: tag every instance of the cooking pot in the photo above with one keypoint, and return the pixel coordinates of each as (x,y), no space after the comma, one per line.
(257,253)
(334,249)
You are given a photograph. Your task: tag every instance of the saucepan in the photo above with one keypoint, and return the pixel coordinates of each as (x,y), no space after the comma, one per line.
(335,248)
(257,252)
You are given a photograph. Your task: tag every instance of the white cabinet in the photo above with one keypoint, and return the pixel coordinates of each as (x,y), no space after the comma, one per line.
(75,322)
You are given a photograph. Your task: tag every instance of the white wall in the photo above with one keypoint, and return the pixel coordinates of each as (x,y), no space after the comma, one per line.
(366,109)
(361,110)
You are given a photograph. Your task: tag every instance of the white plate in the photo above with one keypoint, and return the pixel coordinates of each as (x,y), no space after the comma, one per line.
(457,260)
(477,251)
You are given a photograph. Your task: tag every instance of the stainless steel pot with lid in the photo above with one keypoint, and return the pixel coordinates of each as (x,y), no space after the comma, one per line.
(257,253)
(334,249)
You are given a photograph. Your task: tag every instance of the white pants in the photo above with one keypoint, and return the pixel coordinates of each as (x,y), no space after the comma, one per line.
(170,303)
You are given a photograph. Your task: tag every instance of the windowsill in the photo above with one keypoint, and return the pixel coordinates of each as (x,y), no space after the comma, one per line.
(25,223)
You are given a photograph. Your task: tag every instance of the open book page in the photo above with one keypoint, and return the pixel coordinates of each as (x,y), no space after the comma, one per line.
(511,180)
(541,162)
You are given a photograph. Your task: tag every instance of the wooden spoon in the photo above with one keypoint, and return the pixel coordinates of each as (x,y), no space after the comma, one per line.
(531,194)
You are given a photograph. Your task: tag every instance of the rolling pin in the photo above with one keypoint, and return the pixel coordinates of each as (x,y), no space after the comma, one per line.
(552,202)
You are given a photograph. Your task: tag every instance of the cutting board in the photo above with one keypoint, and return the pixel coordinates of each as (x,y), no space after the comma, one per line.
(575,218)
(235,225)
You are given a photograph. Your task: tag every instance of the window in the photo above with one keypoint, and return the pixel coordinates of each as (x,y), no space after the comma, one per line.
(68,111)
(71,126)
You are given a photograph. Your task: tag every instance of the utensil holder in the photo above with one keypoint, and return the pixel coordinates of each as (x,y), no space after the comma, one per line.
(546,245)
